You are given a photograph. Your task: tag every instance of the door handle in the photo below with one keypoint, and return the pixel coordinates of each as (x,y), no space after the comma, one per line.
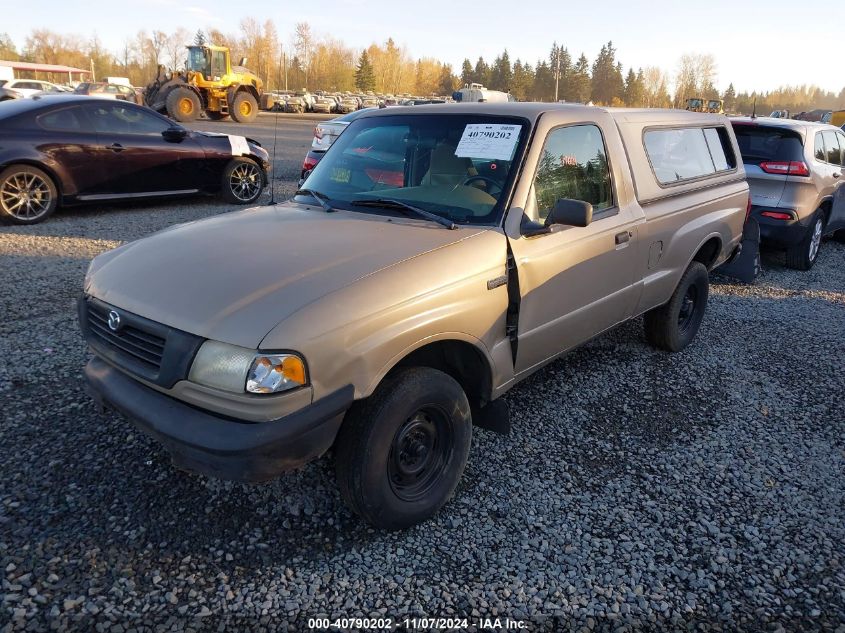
(116,147)
(622,237)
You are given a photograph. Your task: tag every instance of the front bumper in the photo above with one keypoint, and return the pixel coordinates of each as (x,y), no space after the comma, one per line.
(216,446)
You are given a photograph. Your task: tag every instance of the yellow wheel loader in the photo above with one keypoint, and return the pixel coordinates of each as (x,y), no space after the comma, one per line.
(209,84)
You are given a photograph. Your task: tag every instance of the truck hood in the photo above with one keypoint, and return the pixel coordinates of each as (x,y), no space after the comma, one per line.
(234,277)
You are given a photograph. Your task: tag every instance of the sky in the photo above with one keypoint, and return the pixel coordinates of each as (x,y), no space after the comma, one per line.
(757,45)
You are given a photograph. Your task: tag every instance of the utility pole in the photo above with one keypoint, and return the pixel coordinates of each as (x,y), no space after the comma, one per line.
(557,72)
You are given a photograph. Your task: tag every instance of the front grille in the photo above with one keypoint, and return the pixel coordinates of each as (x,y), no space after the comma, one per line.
(144,347)
(153,351)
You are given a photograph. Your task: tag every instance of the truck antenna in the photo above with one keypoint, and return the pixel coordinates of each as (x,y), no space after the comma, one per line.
(275,135)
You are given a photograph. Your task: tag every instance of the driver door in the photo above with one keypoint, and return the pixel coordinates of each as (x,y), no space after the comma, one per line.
(574,282)
(135,157)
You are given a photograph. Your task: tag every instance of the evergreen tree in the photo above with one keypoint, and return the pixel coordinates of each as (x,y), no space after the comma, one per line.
(521,81)
(501,73)
(199,38)
(729,98)
(365,78)
(482,72)
(580,84)
(607,81)
(543,87)
(447,82)
(467,72)
(560,63)
(634,89)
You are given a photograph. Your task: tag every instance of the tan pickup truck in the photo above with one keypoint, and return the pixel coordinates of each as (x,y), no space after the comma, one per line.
(434,258)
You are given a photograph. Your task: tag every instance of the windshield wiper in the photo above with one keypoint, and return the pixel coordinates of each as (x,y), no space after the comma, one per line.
(319,197)
(389,203)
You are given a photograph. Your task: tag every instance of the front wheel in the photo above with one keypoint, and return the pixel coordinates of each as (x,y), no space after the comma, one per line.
(243,181)
(27,194)
(803,255)
(183,104)
(673,325)
(244,107)
(401,452)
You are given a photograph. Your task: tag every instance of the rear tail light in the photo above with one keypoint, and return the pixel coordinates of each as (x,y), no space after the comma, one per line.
(786,168)
(777,215)
(318,132)
(309,163)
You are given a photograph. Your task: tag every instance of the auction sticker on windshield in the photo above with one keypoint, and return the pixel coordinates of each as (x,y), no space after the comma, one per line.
(491,141)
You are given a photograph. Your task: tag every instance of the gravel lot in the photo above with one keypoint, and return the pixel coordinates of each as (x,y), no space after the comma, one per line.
(638,490)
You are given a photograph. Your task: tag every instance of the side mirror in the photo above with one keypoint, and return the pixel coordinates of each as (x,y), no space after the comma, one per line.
(174,134)
(570,213)
(243,61)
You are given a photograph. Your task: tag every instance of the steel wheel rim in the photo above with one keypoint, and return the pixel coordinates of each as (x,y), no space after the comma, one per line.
(815,240)
(246,108)
(419,453)
(25,196)
(245,182)
(186,106)
(687,311)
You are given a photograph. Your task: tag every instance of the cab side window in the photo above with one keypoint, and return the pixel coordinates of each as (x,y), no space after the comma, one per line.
(820,153)
(573,165)
(64,120)
(841,138)
(831,144)
(114,118)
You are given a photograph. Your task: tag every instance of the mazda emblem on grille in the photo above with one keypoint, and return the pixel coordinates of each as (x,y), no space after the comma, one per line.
(114,320)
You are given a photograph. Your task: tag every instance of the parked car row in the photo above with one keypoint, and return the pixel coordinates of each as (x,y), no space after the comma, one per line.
(337,103)
(22,88)
(61,151)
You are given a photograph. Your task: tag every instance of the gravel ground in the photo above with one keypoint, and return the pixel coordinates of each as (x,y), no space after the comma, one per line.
(638,490)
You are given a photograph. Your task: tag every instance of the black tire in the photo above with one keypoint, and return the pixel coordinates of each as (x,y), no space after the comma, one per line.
(803,255)
(215,116)
(243,181)
(401,452)
(244,107)
(27,195)
(183,104)
(674,325)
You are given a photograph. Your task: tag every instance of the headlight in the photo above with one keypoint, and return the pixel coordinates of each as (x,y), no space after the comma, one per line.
(238,370)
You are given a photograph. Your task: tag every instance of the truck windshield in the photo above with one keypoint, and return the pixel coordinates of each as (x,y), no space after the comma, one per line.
(457,166)
(198,60)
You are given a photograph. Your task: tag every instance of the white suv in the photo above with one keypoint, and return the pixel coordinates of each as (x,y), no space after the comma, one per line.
(17,88)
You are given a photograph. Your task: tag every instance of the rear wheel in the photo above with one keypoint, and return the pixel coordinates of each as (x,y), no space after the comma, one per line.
(183,104)
(244,107)
(673,325)
(243,181)
(401,452)
(803,255)
(27,194)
